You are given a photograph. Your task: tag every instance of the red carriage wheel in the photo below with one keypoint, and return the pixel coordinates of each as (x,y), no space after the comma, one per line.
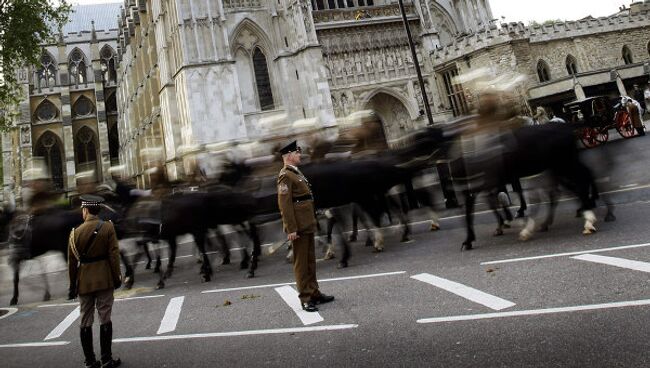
(624,125)
(588,137)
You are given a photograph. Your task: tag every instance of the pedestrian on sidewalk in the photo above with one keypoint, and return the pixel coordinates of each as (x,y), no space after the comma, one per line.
(94,271)
(296,203)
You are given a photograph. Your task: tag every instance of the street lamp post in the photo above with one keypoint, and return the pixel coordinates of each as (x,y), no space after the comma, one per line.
(425,98)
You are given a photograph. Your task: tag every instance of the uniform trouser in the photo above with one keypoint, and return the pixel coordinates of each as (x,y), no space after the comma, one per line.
(101,300)
(304,267)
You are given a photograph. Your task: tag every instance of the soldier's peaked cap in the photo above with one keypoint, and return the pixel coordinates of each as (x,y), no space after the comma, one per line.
(291,147)
(90,200)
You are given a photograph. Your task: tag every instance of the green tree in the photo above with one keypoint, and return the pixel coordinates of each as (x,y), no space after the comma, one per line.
(24,26)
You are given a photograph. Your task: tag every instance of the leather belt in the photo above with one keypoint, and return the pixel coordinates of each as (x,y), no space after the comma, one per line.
(86,260)
(303,198)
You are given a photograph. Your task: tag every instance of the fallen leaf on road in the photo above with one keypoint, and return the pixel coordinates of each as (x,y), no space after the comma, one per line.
(227,303)
(251,296)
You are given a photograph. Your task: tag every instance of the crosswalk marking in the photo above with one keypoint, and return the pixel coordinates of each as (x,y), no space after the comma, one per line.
(10,311)
(533,312)
(290,296)
(116,299)
(172,313)
(613,261)
(67,322)
(464,291)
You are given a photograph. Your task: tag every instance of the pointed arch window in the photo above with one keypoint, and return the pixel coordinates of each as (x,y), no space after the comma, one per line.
(648,48)
(543,71)
(49,148)
(111,105)
(47,71)
(85,150)
(262,80)
(571,65)
(107,61)
(46,112)
(77,68)
(627,55)
(83,107)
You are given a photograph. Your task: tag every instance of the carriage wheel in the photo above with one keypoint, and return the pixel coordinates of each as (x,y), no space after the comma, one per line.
(624,125)
(588,137)
(602,135)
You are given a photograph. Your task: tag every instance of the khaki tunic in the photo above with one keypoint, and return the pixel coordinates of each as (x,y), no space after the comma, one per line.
(99,275)
(297,217)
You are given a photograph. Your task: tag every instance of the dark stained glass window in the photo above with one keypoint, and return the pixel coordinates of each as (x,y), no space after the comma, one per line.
(48,147)
(262,80)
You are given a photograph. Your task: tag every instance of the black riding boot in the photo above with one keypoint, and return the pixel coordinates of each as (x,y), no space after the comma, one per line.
(640,131)
(105,340)
(86,334)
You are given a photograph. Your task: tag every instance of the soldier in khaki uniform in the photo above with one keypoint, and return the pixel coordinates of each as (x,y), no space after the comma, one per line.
(296,204)
(94,270)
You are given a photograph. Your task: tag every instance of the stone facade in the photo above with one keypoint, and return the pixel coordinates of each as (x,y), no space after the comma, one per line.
(608,54)
(250,70)
(68,117)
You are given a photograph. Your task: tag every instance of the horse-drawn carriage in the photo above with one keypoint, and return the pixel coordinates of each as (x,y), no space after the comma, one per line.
(595,116)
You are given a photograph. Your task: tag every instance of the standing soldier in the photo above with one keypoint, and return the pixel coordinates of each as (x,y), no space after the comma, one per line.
(94,270)
(296,204)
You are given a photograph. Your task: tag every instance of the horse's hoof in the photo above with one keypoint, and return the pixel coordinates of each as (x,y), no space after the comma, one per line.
(47,296)
(329,255)
(434,227)
(342,264)
(588,231)
(160,285)
(225,261)
(466,246)
(369,243)
(498,232)
(520,214)
(377,250)
(250,275)
(128,283)
(13,301)
(148,266)
(205,278)
(352,238)
(610,217)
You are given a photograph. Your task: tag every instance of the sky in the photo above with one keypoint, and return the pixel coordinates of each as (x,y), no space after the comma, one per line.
(524,10)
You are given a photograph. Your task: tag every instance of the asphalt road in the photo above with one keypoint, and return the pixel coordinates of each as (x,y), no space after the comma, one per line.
(559,300)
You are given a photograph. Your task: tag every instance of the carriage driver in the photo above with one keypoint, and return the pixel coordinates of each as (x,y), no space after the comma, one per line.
(94,271)
(296,203)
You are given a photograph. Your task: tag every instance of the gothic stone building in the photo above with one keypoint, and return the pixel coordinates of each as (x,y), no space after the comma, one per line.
(68,117)
(563,61)
(196,73)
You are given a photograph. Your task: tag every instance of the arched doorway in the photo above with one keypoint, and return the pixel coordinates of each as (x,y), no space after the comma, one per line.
(394,116)
(49,148)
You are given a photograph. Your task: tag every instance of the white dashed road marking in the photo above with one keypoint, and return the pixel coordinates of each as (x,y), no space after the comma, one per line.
(601,250)
(618,262)
(290,296)
(10,311)
(239,333)
(534,312)
(173,312)
(35,344)
(67,322)
(464,291)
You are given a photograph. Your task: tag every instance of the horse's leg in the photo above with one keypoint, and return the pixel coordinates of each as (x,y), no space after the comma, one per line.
(523,206)
(529,229)
(145,247)
(129,273)
(504,200)
(337,215)
(469,220)
(16,269)
(206,267)
(492,202)
(46,296)
(550,215)
(257,250)
(225,250)
(402,213)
